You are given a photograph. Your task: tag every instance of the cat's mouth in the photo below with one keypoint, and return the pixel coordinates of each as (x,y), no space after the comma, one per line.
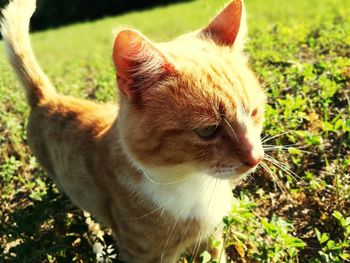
(235,173)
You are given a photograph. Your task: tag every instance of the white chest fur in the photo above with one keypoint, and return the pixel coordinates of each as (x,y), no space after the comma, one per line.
(201,197)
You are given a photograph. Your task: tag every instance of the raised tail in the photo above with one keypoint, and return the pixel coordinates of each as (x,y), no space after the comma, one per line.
(15,32)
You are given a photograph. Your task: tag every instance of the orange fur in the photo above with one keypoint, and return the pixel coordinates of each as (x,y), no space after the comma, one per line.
(140,167)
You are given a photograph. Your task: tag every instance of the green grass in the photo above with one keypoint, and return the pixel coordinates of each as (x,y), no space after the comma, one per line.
(301,51)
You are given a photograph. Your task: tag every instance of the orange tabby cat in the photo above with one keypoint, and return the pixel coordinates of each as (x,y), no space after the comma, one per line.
(155,168)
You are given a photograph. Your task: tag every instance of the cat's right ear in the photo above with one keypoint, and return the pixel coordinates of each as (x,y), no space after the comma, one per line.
(229,27)
(139,64)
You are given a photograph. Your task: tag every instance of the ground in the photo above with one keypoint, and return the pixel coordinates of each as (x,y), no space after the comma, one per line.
(295,210)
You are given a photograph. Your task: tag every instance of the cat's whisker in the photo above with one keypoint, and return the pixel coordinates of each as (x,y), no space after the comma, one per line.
(167,183)
(224,241)
(275,136)
(167,242)
(286,148)
(296,145)
(284,168)
(223,247)
(213,195)
(275,178)
(230,127)
(161,214)
(249,179)
(207,244)
(149,213)
(265,81)
(197,244)
(266,136)
(266,84)
(145,215)
(185,232)
(171,183)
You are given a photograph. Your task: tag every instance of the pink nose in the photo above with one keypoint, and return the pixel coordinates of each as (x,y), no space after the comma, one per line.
(251,158)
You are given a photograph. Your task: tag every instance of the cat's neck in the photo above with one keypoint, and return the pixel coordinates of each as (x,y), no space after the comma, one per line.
(196,196)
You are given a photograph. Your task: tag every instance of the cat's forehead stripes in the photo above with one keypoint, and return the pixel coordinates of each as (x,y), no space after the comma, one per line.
(219,68)
(235,97)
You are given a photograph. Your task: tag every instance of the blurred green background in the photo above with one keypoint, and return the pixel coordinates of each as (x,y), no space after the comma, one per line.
(54,13)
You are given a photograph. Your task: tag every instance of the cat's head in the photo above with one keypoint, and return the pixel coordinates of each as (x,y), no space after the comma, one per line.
(191,105)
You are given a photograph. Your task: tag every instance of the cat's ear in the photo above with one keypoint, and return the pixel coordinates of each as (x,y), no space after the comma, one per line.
(138,62)
(229,26)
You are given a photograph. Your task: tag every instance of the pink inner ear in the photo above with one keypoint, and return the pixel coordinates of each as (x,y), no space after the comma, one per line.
(138,62)
(224,28)
(126,46)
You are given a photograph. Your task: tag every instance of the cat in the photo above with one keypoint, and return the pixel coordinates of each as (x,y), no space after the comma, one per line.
(158,168)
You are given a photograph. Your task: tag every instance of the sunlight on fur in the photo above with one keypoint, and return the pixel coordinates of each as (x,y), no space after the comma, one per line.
(158,169)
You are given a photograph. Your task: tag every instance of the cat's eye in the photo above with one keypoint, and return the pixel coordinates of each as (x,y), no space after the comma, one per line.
(206,132)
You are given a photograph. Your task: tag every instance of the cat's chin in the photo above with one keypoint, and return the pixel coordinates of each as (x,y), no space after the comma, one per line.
(232,173)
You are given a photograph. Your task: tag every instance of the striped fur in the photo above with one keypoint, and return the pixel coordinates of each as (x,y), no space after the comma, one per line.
(139,167)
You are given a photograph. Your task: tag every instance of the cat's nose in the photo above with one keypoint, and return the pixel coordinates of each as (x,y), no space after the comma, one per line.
(251,158)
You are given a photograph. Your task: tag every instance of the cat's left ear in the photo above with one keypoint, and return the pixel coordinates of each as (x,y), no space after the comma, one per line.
(139,63)
(229,27)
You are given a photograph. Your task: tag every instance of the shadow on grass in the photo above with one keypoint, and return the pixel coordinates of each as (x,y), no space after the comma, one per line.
(45,231)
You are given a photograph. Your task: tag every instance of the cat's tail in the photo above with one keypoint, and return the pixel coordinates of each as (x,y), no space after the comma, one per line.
(15,32)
